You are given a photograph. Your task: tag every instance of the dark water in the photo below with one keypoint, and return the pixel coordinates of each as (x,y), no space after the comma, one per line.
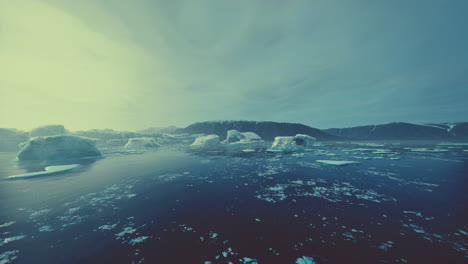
(397,206)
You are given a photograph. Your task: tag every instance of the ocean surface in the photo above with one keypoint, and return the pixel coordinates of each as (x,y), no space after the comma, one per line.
(400,203)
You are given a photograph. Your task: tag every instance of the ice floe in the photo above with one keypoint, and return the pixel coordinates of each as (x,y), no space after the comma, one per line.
(107,227)
(46,228)
(7,224)
(11,239)
(137,240)
(337,162)
(47,171)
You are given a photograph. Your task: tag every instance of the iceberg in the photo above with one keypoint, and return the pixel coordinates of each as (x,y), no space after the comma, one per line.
(58,148)
(337,162)
(48,171)
(242,139)
(11,138)
(50,130)
(299,142)
(206,142)
(141,143)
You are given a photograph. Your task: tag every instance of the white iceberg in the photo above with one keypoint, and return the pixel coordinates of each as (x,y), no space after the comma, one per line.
(58,148)
(141,143)
(48,170)
(337,162)
(299,142)
(206,142)
(242,140)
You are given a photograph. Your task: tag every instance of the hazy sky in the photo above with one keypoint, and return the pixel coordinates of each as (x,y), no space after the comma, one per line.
(136,64)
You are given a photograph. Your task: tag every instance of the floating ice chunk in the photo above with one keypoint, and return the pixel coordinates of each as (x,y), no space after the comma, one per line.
(58,148)
(248,150)
(107,227)
(143,143)
(386,245)
(305,260)
(412,212)
(206,142)
(299,142)
(337,162)
(248,260)
(39,213)
(8,256)
(46,228)
(11,239)
(7,224)
(138,240)
(126,231)
(48,171)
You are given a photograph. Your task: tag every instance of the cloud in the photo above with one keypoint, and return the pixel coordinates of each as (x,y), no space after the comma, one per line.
(128,65)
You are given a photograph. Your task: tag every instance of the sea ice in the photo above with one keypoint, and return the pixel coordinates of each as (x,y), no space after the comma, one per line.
(58,148)
(48,170)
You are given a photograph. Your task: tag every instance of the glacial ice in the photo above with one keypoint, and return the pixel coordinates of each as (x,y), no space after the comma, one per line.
(299,142)
(337,162)
(48,170)
(58,148)
(206,142)
(142,143)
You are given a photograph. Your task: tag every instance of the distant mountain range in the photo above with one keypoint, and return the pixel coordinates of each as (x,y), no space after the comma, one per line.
(266,130)
(162,130)
(404,131)
(391,131)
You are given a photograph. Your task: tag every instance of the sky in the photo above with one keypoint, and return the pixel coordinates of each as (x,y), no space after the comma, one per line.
(129,65)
